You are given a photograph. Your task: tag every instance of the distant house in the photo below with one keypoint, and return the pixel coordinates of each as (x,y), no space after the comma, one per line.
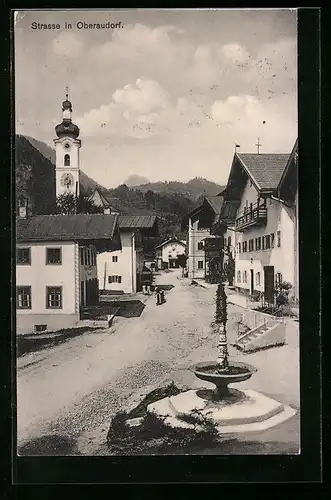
(167,253)
(120,271)
(109,205)
(261,206)
(200,223)
(56,267)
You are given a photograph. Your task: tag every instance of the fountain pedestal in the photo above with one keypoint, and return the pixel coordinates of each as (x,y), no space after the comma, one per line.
(231,410)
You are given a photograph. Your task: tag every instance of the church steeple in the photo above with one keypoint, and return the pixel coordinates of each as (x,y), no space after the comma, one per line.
(67,147)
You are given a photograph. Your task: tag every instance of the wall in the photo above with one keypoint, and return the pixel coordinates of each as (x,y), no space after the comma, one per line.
(168,252)
(195,236)
(38,275)
(125,265)
(279,218)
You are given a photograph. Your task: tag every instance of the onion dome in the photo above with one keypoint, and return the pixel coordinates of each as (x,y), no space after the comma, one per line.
(67,128)
(66,104)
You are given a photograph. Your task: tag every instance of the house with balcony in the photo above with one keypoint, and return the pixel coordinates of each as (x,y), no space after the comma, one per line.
(167,253)
(120,271)
(261,207)
(199,224)
(56,267)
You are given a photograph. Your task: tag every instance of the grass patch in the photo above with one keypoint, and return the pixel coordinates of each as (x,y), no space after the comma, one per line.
(153,435)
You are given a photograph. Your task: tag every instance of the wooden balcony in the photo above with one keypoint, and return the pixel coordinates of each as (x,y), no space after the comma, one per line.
(256,216)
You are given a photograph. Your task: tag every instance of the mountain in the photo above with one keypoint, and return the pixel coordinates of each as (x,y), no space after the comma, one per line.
(136,180)
(87,184)
(193,189)
(34,177)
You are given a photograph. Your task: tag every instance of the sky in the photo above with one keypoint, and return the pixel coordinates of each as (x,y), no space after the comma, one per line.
(165,95)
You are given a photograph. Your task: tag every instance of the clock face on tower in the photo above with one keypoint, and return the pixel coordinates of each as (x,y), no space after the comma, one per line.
(67,180)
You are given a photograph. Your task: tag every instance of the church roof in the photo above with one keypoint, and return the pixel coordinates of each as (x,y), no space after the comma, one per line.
(66,227)
(265,170)
(67,129)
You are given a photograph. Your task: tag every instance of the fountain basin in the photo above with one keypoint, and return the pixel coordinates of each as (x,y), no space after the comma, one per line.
(235,372)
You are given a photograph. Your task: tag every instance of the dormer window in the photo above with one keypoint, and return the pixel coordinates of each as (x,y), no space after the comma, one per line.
(67,160)
(67,145)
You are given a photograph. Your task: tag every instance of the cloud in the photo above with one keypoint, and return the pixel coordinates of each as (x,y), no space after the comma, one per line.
(143,97)
(67,45)
(234,53)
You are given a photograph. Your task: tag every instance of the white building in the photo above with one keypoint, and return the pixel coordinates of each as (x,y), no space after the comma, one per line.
(56,267)
(263,189)
(167,253)
(120,271)
(200,222)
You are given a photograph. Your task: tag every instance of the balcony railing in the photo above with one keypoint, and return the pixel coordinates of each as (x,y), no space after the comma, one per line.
(251,217)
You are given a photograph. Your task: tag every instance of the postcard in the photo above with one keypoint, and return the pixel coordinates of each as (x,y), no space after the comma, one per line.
(157,276)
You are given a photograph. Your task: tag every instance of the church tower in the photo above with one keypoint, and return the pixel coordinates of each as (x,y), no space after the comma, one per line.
(67,147)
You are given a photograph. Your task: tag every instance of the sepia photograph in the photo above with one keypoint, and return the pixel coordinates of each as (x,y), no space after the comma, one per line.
(156,224)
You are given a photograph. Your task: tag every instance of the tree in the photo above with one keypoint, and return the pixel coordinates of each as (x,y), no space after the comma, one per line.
(182,259)
(230,269)
(67,204)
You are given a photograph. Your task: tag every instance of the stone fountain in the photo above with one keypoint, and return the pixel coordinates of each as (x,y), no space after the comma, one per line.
(233,411)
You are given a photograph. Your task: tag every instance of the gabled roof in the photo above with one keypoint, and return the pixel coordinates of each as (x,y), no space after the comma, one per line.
(66,227)
(265,170)
(215,202)
(169,241)
(289,162)
(102,200)
(137,221)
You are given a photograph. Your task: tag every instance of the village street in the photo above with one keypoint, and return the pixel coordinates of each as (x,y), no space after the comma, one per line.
(72,389)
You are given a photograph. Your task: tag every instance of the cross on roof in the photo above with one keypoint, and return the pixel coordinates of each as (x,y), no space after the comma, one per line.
(258,145)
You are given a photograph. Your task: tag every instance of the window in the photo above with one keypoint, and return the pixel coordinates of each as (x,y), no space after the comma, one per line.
(53,256)
(54,297)
(258,279)
(245,276)
(238,277)
(251,245)
(115,258)
(267,241)
(67,160)
(258,243)
(239,247)
(40,328)
(200,245)
(23,297)
(23,256)
(263,242)
(278,238)
(225,242)
(114,279)
(272,237)
(200,264)
(244,246)
(229,241)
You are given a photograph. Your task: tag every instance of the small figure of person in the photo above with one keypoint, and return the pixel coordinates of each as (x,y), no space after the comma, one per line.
(158,296)
(148,289)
